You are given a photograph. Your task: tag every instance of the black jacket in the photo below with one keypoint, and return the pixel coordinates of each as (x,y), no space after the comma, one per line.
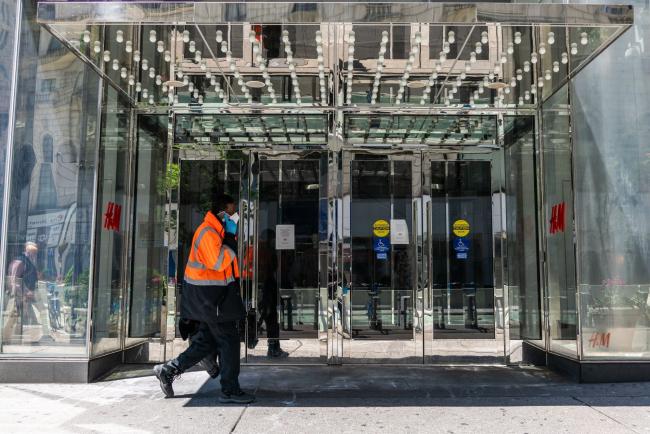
(212,303)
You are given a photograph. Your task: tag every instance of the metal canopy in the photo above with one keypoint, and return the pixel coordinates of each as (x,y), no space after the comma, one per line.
(52,12)
(335,60)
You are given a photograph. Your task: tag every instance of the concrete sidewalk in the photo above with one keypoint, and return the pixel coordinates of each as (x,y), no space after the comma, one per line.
(334,399)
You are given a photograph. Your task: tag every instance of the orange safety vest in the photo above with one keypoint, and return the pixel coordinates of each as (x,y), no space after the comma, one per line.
(247,269)
(211,263)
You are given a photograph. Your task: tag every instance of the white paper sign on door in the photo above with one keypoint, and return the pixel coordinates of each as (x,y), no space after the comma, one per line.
(285,238)
(399,232)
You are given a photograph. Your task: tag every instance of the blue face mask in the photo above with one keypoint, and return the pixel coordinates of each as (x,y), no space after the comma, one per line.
(229,224)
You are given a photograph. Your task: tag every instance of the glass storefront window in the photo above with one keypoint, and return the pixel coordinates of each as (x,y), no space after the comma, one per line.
(612,159)
(47,268)
(150,273)
(559,232)
(521,223)
(111,224)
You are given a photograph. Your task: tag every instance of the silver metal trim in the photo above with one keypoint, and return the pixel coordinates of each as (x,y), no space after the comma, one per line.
(8,168)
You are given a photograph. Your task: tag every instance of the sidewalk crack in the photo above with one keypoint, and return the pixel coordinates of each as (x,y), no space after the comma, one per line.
(234,427)
(605,414)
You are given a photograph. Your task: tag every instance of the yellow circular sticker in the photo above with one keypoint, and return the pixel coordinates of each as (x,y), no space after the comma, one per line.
(381,228)
(460,228)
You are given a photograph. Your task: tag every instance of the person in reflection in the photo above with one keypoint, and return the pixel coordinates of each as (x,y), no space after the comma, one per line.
(20,294)
(211,297)
(268,266)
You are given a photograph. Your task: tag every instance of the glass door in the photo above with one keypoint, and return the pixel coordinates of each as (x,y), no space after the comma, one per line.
(286,259)
(380,309)
(463,209)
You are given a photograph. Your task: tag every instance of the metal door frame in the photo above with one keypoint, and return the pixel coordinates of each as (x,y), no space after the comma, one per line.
(348,353)
(324,337)
(497,346)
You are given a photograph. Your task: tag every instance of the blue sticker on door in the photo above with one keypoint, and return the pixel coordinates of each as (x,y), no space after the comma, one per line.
(461,247)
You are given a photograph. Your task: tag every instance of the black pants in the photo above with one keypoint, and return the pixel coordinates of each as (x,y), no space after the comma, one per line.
(212,337)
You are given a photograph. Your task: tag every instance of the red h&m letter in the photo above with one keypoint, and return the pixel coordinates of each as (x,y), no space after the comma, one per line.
(557,218)
(112,216)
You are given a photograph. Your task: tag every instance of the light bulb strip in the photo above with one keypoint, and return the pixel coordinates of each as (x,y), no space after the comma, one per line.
(321,67)
(460,53)
(415,49)
(380,66)
(350,75)
(262,67)
(214,58)
(291,63)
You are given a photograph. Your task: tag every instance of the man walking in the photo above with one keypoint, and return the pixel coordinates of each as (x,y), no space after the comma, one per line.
(211,297)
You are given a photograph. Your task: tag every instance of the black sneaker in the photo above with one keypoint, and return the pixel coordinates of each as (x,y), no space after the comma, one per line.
(276,352)
(166,374)
(238,397)
(211,366)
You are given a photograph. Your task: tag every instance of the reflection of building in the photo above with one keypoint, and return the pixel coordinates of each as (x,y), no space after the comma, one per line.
(466,128)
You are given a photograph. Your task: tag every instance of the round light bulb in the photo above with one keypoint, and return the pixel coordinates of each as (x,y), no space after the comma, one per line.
(186,36)
(116,64)
(168,56)
(451,37)
(521,100)
(351,37)
(547,74)
(136,56)
(565,58)
(511,48)
(131,79)
(152,72)
(252,37)
(119,36)
(574,48)
(533,57)
(145,64)
(197,56)
(517,38)
(128,47)
(519,76)
(164,88)
(497,68)
(145,93)
(540,82)
(484,37)
(97,47)
(192,46)
(151,101)
(138,86)
(86,36)
(551,38)
(319,37)
(504,58)
(506,90)
(152,36)
(224,47)
(491,75)
(195,94)
(384,37)
(445,47)
(438,66)
(123,73)
(468,66)
(158,80)
(160,46)
(584,38)
(542,48)
(472,57)
(526,66)
(556,66)
(190,87)
(478,48)
(443,56)
(513,82)
(527,95)
(107,56)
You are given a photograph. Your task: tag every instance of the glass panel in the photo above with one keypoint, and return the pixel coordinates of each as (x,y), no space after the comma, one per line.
(201,181)
(521,223)
(463,294)
(612,163)
(558,212)
(288,291)
(381,293)
(150,272)
(110,230)
(7,62)
(45,298)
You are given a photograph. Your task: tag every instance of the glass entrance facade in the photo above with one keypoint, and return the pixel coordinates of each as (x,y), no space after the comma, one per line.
(416,181)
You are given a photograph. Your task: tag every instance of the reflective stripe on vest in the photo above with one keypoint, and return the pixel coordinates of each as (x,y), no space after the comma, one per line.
(209,282)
